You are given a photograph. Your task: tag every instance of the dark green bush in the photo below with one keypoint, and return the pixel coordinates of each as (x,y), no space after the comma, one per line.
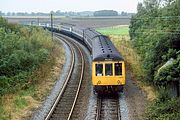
(155,34)
(22,50)
(167,110)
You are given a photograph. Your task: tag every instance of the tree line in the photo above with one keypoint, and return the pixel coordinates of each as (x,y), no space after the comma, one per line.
(155,34)
(70,13)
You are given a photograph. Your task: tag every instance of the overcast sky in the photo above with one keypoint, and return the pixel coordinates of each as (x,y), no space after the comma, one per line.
(67,5)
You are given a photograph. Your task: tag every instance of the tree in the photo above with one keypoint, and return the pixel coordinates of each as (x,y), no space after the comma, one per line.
(106,13)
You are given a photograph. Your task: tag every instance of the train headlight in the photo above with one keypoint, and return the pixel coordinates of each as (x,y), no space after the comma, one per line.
(99,82)
(118,82)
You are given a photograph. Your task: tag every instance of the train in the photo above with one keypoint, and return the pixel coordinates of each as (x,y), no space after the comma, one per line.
(108,66)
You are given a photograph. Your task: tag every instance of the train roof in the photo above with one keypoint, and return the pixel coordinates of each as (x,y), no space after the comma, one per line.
(91,33)
(103,49)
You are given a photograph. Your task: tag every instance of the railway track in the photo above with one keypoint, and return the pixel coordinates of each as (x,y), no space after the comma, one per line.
(64,105)
(108,108)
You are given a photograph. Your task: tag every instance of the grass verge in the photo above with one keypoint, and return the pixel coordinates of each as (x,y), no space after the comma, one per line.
(133,63)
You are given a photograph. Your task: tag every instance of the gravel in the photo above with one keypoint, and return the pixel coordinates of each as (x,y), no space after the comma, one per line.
(91,113)
(42,111)
(136,99)
(124,110)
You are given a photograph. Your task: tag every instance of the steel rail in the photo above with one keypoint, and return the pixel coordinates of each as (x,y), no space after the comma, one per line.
(99,107)
(64,38)
(80,82)
(65,84)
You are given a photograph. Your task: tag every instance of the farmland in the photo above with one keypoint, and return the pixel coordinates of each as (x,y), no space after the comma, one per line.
(117,30)
(95,22)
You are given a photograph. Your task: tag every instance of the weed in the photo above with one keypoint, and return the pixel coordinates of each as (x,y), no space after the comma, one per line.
(20,102)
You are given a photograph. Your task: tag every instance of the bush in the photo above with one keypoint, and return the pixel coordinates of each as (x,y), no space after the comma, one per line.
(167,110)
(154,32)
(22,50)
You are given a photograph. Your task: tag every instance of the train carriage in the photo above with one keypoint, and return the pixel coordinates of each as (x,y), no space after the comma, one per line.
(108,68)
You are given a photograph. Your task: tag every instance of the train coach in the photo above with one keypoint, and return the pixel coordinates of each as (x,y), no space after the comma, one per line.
(108,67)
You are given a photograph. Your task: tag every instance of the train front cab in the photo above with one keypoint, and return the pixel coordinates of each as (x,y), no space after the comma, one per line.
(108,76)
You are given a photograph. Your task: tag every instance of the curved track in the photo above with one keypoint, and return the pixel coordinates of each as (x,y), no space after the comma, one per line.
(64,105)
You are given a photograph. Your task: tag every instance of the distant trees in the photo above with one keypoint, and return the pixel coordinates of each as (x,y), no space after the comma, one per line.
(106,13)
(70,13)
(1,13)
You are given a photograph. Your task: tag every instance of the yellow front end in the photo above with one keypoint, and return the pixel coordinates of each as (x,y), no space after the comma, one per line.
(108,73)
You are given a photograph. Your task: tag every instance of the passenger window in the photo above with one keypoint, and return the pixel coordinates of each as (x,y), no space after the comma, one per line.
(99,69)
(108,69)
(118,68)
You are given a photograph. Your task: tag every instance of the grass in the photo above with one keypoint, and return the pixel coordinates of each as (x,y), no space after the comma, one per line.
(117,30)
(20,102)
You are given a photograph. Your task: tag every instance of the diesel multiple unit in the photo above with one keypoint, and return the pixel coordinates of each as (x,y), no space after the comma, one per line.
(108,68)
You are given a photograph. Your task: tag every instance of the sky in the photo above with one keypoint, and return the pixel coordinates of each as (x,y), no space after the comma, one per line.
(67,5)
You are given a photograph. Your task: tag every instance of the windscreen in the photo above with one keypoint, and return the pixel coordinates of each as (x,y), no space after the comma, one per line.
(108,69)
(99,69)
(118,68)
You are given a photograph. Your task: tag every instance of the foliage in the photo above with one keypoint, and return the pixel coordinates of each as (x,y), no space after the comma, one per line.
(22,50)
(155,33)
(106,13)
(168,73)
(168,110)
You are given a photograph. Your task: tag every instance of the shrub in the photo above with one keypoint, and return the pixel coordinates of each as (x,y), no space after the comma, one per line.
(22,50)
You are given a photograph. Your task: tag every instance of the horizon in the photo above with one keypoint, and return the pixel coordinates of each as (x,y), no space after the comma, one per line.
(61,11)
(47,6)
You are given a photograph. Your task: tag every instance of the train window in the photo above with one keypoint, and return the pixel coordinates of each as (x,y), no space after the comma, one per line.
(108,69)
(99,69)
(118,68)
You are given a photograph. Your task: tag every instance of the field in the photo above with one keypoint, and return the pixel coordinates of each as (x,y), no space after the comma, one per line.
(117,30)
(94,22)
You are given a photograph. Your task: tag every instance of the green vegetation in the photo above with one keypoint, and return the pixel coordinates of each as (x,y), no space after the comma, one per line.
(27,59)
(114,30)
(22,50)
(106,13)
(164,108)
(20,102)
(155,33)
